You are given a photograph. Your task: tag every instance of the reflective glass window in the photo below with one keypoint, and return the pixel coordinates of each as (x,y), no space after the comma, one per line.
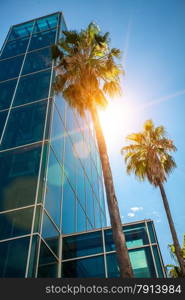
(47,263)
(37,60)
(6,93)
(42,39)
(21,31)
(82,245)
(54,189)
(42,181)
(97,213)
(89,225)
(80,183)
(58,136)
(46,23)
(69,161)
(3,116)
(70,124)
(89,202)
(62,27)
(13,257)
(33,256)
(151,232)
(10,68)
(61,104)
(112,266)
(50,234)
(68,209)
(38,218)
(135,236)
(142,263)
(84,268)
(32,88)
(81,218)
(25,125)
(18,177)
(16,223)
(158,262)
(14,48)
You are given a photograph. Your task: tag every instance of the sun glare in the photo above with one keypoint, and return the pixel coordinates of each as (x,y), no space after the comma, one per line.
(116,121)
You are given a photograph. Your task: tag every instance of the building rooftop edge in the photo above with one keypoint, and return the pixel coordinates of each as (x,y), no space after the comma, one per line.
(106,227)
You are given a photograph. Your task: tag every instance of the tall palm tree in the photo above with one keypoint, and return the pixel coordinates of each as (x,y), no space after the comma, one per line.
(148,158)
(86,73)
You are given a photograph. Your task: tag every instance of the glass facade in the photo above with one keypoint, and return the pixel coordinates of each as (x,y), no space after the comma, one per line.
(92,254)
(50,175)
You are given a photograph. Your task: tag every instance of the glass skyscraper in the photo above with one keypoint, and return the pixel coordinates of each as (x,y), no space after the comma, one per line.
(50,172)
(51,186)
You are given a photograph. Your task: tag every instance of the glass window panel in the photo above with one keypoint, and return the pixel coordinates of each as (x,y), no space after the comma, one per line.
(54,189)
(10,68)
(81,218)
(6,93)
(84,268)
(112,266)
(89,202)
(37,60)
(25,125)
(48,265)
(42,181)
(60,103)
(33,256)
(142,263)
(69,162)
(80,183)
(97,213)
(158,261)
(14,48)
(32,88)
(62,27)
(21,31)
(57,136)
(82,245)
(48,271)
(18,177)
(38,218)
(42,39)
(46,23)
(89,225)
(13,257)
(50,234)
(16,223)
(135,236)
(68,209)
(151,232)
(3,116)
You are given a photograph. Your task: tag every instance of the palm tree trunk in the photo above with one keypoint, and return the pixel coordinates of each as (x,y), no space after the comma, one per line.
(117,231)
(173,231)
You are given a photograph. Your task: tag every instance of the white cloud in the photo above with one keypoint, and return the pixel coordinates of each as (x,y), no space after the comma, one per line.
(131,214)
(136,208)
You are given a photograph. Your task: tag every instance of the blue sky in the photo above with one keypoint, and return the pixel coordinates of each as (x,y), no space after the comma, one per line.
(151,35)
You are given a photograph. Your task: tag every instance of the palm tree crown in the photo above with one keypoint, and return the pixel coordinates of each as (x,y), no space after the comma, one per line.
(86,70)
(148,156)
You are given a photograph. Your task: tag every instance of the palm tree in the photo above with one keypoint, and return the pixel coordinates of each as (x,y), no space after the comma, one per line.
(86,73)
(148,157)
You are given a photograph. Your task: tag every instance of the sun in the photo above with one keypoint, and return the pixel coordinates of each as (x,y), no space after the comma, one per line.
(116,121)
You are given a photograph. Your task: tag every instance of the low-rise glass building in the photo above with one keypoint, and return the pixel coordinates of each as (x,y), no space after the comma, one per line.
(92,254)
